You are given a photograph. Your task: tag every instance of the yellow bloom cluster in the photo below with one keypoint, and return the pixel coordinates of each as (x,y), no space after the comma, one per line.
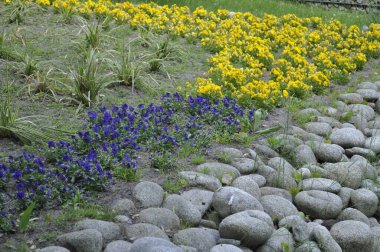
(256,60)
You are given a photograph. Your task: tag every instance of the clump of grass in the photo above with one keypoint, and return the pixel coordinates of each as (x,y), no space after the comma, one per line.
(174,185)
(86,80)
(127,70)
(198,159)
(18,11)
(13,126)
(92,32)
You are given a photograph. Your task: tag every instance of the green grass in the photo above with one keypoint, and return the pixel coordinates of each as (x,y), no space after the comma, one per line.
(275,7)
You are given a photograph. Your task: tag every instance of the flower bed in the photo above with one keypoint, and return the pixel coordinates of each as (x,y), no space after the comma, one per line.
(254,59)
(109,144)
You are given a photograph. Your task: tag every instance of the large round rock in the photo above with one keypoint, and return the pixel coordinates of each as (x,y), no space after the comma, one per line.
(202,239)
(183,208)
(149,194)
(353,236)
(229,200)
(160,217)
(319,204)
(88,240)
(365,201)
(348,174)
(251,227)
(109,230)
(153,244)
(347,137)
(278,207)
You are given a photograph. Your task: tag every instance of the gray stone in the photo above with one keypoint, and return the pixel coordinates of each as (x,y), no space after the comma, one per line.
(341,106)
(376,238)
(266,171)
(317,171)
(308,111)
(225,248)
(347,137)
(373,222)
(208,224)
(109,230)
(326,152)
(321,184)
(324,239)
(319,204)
(345,195)
(360,151)
(123,219)
(201,199)
(160,217)
(330,111)
(276,191)
(304,172)
(297,226)
(247,184)
(330,120)
(351,98)
(283,177)
(251,227)
(277,207)
(369,172)
(346,173)
(277,240)
(368,85)
(229,241)
(183,208)
(202,239)
(363,110)
(353,236)
(259,179)
(124,205)
(201,180)
(352,214)
(305,155)
(218,170)
(118,246)
(377,106)
(88,240)
(369,185)
(265,151)
(308,246)
(287,142)
(348,125)
(229,200)
(53,249)
(318,128)
(244,165)
(140,230)
(149,194)
(227,151)
(373,143)
(365,201)
(369,95)
(154,244)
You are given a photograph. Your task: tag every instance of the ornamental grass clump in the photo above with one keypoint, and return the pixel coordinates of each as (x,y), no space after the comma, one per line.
(21,128)
(87,82)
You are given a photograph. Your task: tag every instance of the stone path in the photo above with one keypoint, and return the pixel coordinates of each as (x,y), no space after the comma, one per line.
(321,196)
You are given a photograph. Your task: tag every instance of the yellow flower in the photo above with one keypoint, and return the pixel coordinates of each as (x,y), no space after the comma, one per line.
(285,93)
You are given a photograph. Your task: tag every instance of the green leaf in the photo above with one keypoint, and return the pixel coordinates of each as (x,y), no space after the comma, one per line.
(25,217)
(258,118)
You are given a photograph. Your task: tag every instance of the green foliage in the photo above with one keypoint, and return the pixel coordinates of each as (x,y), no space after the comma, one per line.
(92,32)
(127,174)
(25,217)
(198,159)
(86,80)
(346,116)
(225,158)
(127,70)
(163,161)
(22,128)
(174,185)
(18,11)
(294,191)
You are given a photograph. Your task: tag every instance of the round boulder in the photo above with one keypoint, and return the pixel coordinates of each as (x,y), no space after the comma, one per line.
(229,200)
(319,204)
(353,236)
(365,201)
(251,227)
(347,137)
(278,207)
(149,194)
